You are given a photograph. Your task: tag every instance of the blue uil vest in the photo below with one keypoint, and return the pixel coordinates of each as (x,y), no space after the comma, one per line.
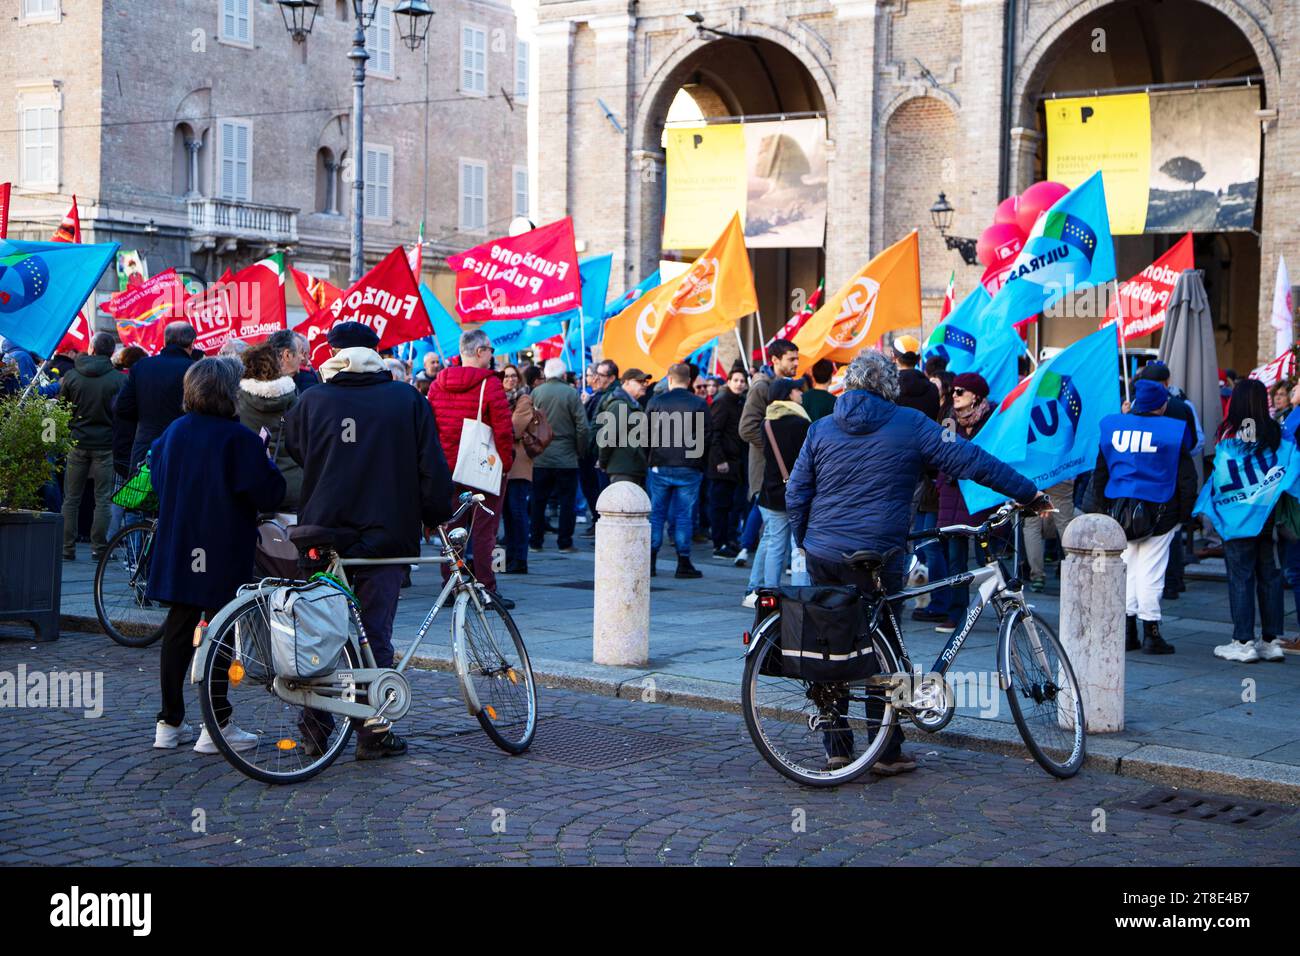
(1142,452)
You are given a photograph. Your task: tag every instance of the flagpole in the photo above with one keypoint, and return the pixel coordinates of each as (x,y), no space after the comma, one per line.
(762,346)
(1123,340)
(40,370)
(582,338)
(743,357)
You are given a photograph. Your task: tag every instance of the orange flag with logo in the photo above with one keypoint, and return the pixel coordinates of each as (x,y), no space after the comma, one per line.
(884,296)
(674,319)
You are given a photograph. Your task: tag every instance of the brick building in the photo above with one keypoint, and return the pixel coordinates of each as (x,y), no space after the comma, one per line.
(200,133)
(920,96)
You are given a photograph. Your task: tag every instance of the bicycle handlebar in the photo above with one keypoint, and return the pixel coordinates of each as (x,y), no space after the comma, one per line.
(1000,517)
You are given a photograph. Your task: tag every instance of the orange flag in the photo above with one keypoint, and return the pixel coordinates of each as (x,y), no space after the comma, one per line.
(884,296)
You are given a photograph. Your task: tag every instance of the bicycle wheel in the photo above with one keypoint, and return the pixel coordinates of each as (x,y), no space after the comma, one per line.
(491,659)
(121,579)
(1043,693)
(239,664)
(820,735)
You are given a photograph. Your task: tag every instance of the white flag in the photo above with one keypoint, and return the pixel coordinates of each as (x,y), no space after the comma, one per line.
(1282,313)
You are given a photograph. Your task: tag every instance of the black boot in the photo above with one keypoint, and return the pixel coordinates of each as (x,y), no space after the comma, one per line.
(654,557)
(1152,642)
(1131,642)
(685,569)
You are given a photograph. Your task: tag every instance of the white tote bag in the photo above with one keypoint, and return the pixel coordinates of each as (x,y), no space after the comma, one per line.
(477,463)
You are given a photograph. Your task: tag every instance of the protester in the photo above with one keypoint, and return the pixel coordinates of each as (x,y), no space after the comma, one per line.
(212,477)
(603,378)
(726,474)
(154,391)
(1252,573)
(91,388)
(305,376)
(232,348)
(818,402)
(266,394)
(620,430)
(784,358)
(519,481)
(469,392)
(1182,408)
(1144,459)
(555,471)
(915,390)
(784,430)
(851,489)
(431,365)
(680,436)
(375,483)
(19,368)
(1281,401)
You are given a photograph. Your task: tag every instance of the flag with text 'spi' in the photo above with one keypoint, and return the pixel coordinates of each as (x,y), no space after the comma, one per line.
(6,189)
(77,338)
(971,343)
(142,311)
(247,305)
(43,286)
(884,296)
(1245,485)
(386,298)
(1069,249)
(1143,298)
(314,294)
(519,277)
(1048,428)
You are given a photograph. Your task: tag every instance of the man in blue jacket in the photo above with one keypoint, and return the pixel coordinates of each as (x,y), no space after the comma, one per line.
(680,432)
(155,387)
(852,484)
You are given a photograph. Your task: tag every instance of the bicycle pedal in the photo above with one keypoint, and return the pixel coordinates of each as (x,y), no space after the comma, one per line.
(378,724)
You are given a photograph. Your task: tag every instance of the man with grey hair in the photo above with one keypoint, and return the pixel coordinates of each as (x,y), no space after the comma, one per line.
(91,388)
(555,470)
(851,489)
(155,387)
(304,376)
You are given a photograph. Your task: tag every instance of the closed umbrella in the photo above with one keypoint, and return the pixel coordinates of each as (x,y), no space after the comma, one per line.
(1187,347)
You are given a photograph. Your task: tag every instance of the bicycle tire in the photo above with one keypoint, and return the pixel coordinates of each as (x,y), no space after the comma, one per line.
(1046,635)
(145,637)
(467,655)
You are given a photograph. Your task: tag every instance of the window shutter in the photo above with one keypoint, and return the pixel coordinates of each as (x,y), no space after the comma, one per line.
(228,159)
(385,184)
(243,162)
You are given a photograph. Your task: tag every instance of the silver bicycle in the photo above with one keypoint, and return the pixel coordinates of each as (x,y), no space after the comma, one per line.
(234,661)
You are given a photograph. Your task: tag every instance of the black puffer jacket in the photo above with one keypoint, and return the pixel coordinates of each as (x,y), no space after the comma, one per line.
(727,444)
(917,391)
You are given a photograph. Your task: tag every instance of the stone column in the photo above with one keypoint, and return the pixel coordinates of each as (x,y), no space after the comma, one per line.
(1092,616)
(620,633)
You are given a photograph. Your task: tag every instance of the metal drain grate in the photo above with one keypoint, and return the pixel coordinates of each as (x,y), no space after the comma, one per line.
(576,743)
(1187,805)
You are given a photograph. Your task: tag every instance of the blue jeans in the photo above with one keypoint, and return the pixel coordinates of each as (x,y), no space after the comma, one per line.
(954,601)
(753,526)
(519,494)
(934,556)
(1252,576)
(674,493)
(775,546)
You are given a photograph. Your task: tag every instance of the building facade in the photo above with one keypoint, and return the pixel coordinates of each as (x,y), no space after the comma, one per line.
(202,134)
(919,96)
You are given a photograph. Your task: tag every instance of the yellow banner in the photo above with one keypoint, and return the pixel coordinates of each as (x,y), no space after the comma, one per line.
(1110,133)
(706,183)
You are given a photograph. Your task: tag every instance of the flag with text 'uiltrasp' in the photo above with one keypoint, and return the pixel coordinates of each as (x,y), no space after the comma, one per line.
(43,286)
(971,343)
(386,299)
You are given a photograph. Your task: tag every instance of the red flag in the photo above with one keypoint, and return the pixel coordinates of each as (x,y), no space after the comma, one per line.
(315,294)
(70,228)
(5,190)
(142,310)
(1004,257)
(1281,369)
(247,305)
(949,297)
(797,320)
(519,277)
(386,298)
(77,338)
(548,348)
(1145,296)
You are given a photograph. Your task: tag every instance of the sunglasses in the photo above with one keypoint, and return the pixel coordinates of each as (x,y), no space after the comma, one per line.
(961,391)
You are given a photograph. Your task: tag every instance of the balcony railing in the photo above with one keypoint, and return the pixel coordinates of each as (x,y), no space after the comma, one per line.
(243,220)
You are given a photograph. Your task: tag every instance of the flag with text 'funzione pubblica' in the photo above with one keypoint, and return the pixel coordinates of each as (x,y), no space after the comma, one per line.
(971,343)
(1048,428)
(512,335)
(521,277)
(386,299)
(43,286)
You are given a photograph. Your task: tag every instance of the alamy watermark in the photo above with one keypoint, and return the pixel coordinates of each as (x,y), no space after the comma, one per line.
(623,428)
(59,690)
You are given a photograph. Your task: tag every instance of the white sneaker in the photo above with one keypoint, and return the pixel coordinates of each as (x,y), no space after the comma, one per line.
(740,559)
(167,737)
(751,599)
(1270,650)
(1237,651)
(238,739)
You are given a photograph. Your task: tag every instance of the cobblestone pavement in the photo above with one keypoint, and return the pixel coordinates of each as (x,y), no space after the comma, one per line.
(77,790)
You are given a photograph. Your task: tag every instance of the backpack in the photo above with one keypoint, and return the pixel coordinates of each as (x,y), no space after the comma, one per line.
(538,434)
(1286,517)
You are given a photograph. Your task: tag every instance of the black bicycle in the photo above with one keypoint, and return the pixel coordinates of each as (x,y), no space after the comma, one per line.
(825,734)
(125,612)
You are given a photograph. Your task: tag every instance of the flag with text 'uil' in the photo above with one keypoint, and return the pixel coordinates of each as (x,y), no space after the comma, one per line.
(1048,427)
(1244,487)
(1069,249)
(884,296)
(43,286)
(971,343)
(594,273)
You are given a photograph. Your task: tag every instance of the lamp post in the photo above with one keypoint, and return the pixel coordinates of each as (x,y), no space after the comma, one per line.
(941,214)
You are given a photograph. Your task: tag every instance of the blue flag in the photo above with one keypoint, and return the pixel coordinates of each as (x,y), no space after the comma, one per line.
(1048,428)
(1069,249)
(971,343)
(615,306)
(446,330)
(594,273)
(1247,481)
(42,287)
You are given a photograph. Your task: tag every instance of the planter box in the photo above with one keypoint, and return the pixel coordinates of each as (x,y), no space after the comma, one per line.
(31,570)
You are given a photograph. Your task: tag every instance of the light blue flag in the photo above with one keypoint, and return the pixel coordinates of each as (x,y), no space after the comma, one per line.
(1048,428)
(446,330)
(1247,481)
(594,273)
(42,287)
(1069,249)
(615,306)
(972,343)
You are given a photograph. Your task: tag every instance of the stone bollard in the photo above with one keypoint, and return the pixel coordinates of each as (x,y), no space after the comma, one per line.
(1092,616)
(620,632)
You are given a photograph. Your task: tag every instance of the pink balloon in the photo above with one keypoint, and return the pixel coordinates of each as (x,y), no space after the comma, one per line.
(1006,211)
(1036,200)
(998,234)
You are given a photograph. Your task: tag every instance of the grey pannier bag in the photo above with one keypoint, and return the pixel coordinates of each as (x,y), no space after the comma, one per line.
(309,626)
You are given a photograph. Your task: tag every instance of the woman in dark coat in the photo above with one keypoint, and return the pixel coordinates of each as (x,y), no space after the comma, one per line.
(728,457)
(212,477)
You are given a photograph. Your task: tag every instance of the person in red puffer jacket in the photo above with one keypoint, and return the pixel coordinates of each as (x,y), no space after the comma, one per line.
(455,396)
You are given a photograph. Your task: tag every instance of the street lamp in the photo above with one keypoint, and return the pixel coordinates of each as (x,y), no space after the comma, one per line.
(413,19)
(299,17)
(941,214)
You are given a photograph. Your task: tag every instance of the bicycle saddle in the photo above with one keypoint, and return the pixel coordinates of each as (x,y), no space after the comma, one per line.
(870,560)
(306,536)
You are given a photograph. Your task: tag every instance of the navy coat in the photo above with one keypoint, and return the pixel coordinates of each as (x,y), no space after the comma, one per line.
(851,487)
(212,477)
(155,388)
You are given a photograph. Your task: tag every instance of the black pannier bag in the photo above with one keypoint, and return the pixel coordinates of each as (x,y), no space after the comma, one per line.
(824,635)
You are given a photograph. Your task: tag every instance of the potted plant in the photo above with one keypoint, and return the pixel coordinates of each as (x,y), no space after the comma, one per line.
(34,434)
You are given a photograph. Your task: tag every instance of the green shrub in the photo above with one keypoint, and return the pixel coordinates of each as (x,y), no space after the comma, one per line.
(34,434)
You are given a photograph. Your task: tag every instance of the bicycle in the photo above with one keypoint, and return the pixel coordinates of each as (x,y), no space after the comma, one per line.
(125,612)
(808,731)
(234,655)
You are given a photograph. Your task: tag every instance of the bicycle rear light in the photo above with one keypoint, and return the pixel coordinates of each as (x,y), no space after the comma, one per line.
(767,601)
